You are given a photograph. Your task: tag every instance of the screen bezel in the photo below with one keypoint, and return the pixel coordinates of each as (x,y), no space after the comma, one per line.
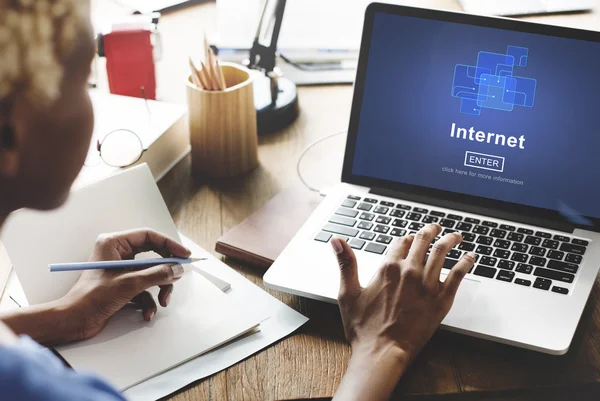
(514,209)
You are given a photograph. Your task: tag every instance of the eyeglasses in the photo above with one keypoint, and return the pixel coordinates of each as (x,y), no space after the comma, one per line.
(120,148)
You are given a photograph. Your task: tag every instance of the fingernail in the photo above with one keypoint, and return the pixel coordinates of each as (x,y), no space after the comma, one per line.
(168,298)
(472,255)
(177,271)
(152,315)
(337,246)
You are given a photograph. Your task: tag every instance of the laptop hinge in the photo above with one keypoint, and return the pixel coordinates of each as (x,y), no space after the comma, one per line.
(499,214)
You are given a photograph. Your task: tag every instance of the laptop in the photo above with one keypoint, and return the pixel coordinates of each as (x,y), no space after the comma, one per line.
(525,7)
(487,126)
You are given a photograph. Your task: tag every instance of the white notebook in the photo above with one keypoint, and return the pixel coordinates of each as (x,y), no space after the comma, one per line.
(129,350)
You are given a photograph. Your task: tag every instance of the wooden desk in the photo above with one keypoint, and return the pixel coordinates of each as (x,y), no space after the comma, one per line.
(311,362)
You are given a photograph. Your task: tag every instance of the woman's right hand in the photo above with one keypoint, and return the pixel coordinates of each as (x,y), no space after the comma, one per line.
(388,322)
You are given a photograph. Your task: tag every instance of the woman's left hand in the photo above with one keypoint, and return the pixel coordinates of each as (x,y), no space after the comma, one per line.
(98,294)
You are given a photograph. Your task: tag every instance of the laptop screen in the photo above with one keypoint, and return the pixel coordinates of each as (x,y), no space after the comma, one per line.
(494,113)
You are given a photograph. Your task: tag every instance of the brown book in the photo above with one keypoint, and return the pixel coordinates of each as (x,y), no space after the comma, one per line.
(260,238)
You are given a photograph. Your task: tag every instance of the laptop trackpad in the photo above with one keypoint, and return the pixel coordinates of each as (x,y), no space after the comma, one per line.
(462,309)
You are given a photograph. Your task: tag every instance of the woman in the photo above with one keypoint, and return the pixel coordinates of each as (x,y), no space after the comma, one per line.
(46,121)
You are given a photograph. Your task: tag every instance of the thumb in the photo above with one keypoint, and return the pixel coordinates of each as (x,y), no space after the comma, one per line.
(154,276)
(349,284)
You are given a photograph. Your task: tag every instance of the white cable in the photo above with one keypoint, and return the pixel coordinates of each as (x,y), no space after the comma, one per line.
(305,151)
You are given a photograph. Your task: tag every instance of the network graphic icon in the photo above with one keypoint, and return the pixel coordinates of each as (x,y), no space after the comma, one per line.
(492,83)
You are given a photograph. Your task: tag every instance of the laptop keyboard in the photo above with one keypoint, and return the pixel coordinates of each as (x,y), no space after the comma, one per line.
(517,255)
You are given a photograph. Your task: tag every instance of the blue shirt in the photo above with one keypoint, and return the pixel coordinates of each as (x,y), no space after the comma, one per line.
(29,372)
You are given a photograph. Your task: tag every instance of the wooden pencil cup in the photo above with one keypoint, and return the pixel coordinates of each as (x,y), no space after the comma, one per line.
(223,131)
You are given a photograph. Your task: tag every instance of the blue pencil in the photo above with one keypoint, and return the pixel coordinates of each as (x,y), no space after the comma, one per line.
(120,264)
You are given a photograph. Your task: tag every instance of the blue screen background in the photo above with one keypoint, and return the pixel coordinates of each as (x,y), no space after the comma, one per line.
(408,110)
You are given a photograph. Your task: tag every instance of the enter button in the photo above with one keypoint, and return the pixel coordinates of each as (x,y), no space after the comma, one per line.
(484,161)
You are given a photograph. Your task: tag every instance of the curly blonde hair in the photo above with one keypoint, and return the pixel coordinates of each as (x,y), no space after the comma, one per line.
(36,36)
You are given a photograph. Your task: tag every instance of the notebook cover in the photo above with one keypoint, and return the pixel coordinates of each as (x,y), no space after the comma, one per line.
(259,239)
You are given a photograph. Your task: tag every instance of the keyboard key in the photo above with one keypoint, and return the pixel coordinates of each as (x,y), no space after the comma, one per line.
(573,258)
(369,236)
(454,217)
(323,237)
(481,230)
(524,268)
(342,237)
(487,261)
(342,211)
(466,246)
(384,239)
(430,219)
(484,250)
(371,200)
(472,221)
(381,210)
(349,203)
(365,206)
(357,243)
(464,227)
(543,234)
(525,231)
(367,216)
(537,251)
(416,226)
(447,223)
(507,227)
(554,275)
(570,248)
(454,254)
(498,233)
(485,240)
(449,263)
(485,271)
(505,275)
(563,267)
(448,231)
(515,237)
(550,244)
(519,257)
(397,213)
(560,290)
(502,244)
(354,197)
(537,261)
(468,237)
(344,221)
(420,210)
(580,242)
(437,214)
(375,248)
(556,255)
(365,225)
(520,281)
(381,229)
(519,248)
(335,229)
(506,264)
(489,224)
(385,203)
(561,238)
(400,223)
(383,220)
(403,207)
(501,253)
(398,232)
(542,284)
(533,240)
(414,216)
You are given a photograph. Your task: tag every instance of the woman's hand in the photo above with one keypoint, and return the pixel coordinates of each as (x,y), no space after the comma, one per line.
(98,294)
(390,321)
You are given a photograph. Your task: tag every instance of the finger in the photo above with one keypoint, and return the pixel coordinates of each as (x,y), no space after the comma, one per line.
(349,284)
(164,296)
(145,239)
(437,257)
(399,248)
(421,243)
(456,275)
(147,303)
(141,280)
